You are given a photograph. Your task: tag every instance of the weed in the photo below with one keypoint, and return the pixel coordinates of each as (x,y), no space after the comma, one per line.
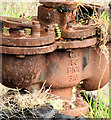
(14,102)
(102,108)
(10,13)
(102,22)
(80,19)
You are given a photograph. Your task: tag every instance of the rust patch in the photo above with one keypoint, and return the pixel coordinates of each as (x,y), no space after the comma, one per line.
(81,109)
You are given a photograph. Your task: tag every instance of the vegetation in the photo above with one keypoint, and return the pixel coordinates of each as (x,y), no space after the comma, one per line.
(103,109)
(14,103)
(10,13)
(102,22)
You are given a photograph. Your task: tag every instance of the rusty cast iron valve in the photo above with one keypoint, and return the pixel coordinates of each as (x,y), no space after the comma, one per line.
(28,61)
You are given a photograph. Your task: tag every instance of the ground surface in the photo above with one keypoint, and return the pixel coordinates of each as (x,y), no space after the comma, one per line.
(31,8)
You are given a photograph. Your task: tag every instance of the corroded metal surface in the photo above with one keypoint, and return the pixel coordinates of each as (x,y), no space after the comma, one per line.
(79,64)
(79,32)
(66,20)
(15,41)
(82,108)
(95,67)
(28,50)
(22,72)
(17,37)
(63,63)
(48,48)
(70,4)
(16,22)
(52,16)
(77,43)
(67,74)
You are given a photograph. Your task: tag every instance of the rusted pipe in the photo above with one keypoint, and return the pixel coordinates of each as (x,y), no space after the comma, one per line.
(29,61)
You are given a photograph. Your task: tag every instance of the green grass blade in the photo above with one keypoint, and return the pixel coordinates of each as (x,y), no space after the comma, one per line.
(89,16)
(8,11)
(29,18)
(103,15)
(11,12)
(21,7)
(93,13)
(0,13)
(3,9)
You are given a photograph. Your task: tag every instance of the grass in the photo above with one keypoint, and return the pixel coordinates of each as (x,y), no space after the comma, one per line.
(103,110)
(102,22)
(10,13)
(13,102)
(17,103)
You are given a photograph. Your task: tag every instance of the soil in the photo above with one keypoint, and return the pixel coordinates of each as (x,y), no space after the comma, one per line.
(105,89)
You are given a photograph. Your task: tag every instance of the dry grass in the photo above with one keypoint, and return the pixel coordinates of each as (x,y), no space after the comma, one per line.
(14,103)
(102,22)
